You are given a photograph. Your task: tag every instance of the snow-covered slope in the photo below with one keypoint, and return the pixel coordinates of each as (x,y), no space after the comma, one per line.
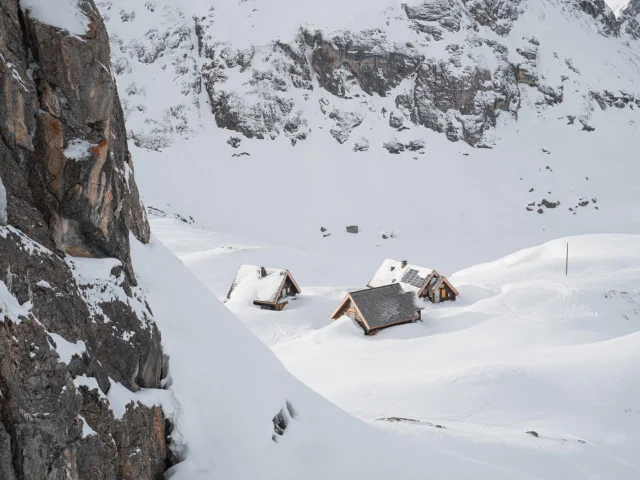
(229,388)
(276,124)
(524,349)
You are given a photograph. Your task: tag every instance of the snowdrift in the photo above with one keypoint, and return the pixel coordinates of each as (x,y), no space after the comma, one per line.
(524,349)
(228,388)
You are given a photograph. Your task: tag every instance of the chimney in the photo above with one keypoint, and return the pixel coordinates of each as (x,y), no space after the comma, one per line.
(404,263)
(263,272)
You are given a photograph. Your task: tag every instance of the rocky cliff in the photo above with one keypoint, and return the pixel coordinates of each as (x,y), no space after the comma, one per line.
(76,334)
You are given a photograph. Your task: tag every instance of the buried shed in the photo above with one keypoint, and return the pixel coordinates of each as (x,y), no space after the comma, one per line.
(269,288)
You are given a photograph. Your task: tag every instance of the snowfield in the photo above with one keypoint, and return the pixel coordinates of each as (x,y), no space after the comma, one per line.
(524,349)
(228,387)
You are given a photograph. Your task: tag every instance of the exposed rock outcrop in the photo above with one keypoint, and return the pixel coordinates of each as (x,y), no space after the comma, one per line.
(267,108)
(457,69)
(70,192)
(344,58)
(499,16)
(599,10)
(630,19)
(462,103)
(614,99)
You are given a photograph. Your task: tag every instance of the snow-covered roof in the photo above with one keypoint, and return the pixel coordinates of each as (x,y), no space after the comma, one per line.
(410,277)
(258,284)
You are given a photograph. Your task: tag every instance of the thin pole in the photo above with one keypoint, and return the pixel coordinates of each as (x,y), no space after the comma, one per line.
(566,265)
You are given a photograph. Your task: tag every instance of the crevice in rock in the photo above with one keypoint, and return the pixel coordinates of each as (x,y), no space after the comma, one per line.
(172,454)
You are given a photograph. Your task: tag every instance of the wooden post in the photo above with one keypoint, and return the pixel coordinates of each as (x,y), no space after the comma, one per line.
(566,265)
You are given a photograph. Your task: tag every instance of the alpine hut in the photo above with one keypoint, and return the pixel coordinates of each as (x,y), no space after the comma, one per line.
(424,282)
(268,288)
(377,308)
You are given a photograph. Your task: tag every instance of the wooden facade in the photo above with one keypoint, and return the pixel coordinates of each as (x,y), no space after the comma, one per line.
(270,288)
(442,291)
(349,309)
(288,288)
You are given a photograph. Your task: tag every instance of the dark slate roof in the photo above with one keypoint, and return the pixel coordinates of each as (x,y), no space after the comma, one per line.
(385,305)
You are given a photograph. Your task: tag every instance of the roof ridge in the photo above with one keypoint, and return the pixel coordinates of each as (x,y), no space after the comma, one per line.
(375,288)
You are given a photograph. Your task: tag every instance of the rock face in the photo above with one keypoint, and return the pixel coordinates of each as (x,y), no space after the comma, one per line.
(459,67)
(630,19)
(460,94)
(348,57)
(83,182)
(599,10)
(70,192)
(267,107)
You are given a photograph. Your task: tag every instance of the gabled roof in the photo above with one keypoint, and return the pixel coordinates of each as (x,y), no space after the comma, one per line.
(383,306)
(259,284)
(431,285)
(411,277)
(442,280)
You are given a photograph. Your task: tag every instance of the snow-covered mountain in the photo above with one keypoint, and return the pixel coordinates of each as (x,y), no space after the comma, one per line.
(450,132)
(342,110)
(290,69)
(265,121)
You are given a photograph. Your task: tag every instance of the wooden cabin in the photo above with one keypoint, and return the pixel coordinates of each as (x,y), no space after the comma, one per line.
(424,282)
(378,308)
(440,290)
(268,288)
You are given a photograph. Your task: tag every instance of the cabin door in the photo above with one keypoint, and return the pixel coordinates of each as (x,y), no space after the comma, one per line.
(443,293)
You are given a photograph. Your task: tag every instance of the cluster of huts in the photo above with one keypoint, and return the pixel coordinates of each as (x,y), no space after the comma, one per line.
(394,296)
